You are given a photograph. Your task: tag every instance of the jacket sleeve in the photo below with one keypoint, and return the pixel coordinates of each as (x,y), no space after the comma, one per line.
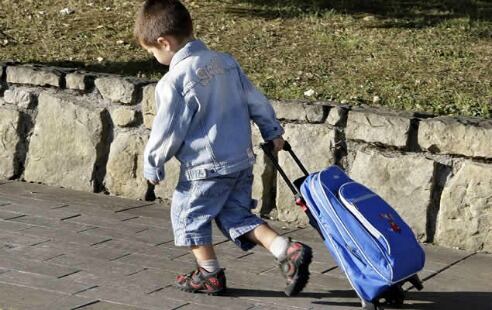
(260,109)
(169,129)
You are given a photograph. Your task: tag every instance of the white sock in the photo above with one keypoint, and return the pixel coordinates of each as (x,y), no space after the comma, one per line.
(210,265)
(278,247)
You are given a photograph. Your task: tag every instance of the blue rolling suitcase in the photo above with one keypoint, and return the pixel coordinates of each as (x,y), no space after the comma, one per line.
(367,238)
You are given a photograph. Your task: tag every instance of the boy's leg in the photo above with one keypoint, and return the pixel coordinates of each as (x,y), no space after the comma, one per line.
(195,204)
(293,257)
(206,258)
(238,223)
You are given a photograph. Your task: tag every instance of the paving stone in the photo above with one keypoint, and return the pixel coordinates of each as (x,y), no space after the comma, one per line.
(18,297)
(4,215)
(64,196)
(269,288)
(35,221)
(158,262)
(154,211)
(34,209)
(15,239)
(13,226)
(141,248)
(459,287)
(94,265)
(44,282)
(28,265)
(57,235)
(12,198)
(132,298)
(152,236)
(202,300)
(41,252)
(116,220)
(104,305)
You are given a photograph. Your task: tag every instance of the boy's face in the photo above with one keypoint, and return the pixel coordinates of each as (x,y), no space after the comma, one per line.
(164,50)
(161,55)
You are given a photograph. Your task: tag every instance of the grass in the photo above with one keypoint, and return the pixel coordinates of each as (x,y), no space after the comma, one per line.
(429,56)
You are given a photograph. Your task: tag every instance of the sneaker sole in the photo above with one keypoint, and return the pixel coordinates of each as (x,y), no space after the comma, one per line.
(193,291)
(303,275)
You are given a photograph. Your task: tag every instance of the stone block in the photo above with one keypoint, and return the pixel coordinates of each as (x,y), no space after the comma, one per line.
(23,97)
(124,117)
(289,110)
(118,89)
(41,76)
(337,116)
(447,135)
(148,105)
(374,127)
(68,142)
(264,177)
(2,71)
(404,181)
(166,188)
(300,111)
(124,171)
(79,81)
(316,113)
(9,140)
(314,145)
(465,215)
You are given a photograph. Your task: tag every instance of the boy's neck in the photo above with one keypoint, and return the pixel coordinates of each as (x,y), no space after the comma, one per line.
(184,42)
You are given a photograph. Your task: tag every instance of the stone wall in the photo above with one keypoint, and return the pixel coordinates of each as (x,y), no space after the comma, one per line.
(87,131)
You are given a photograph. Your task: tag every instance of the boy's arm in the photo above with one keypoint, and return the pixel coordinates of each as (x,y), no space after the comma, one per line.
(260,110)
(169,129)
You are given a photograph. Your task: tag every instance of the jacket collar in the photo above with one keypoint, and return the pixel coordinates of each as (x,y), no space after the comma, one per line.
(189,49)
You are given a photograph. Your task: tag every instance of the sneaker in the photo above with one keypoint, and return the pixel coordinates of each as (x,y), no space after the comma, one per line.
(295,267)
(212,283)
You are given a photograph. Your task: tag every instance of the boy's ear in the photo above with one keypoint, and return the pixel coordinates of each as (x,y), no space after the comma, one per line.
(169,43)
(164,43)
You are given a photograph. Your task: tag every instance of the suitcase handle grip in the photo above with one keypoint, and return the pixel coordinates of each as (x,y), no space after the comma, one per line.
(268,147)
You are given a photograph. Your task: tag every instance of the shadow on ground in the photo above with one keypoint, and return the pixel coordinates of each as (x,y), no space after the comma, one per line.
(410,14)
(428,300)
(151,68)
(414,300)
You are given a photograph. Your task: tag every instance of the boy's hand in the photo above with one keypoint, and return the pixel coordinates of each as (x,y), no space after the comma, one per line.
(153,182)
(278,144)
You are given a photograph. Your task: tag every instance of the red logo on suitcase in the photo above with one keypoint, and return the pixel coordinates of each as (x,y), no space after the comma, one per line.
(394,227)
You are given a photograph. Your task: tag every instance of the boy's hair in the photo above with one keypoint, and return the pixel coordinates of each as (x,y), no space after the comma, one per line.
(158,18)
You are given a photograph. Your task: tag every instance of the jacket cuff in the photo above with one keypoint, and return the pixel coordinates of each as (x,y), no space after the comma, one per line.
(275,132)
(154,174)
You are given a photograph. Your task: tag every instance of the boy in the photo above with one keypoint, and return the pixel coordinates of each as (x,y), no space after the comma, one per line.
(204,107)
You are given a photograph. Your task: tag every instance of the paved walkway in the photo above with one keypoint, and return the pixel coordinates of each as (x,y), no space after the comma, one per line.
(63,249)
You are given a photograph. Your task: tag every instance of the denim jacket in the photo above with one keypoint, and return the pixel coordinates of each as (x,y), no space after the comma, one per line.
(204,106)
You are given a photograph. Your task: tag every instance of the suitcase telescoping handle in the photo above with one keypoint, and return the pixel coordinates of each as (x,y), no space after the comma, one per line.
(268,149)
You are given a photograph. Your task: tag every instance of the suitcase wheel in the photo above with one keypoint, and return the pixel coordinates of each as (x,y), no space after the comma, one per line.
(395,296)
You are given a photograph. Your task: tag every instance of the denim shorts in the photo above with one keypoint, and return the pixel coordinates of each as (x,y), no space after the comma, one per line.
(225,199)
